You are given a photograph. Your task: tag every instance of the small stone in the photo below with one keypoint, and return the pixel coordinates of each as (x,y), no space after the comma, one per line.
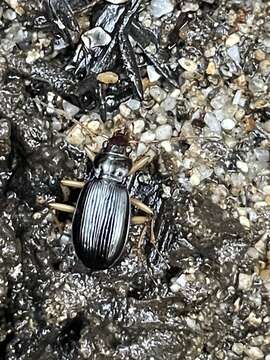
(188,65)
(161,7)
(265,274)
(96,37)
(158,94)
(238,348)
(234,54)
(257,85)
(93,126)
(266,126)
(163,132)
(211,68)
(260,55)
(70,109)
(125,111)
(195,178)
(117,2)
(242,166)
(253,253)
(218,101)
(153,75)
(232,40)
(108,77)
(141,149)
(212,122)
(138,126)
(228,124)
(254,353)
(10,15)
(244,222)
(265,67)
(190,6)
(169,103)
(133,104)
(262,154)
(148,137)
(162,119)
(75,136)
(244,281)
(166,145)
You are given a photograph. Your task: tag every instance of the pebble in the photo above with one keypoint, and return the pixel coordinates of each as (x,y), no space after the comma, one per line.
(265,67)
(212,122)
(195,178)
(244,221)
(232,40)
(169,104)
(166,145)
(153,75)
(218,101)
(125,111)
(262,154)
(108,77)
(161,119)
(228,124)
(163,132)
(190,6)
(141,149)
(70,109)
(133,104)
(254,352)
(161,7)
(10,15)
(234,53)
(138,126)
(96,37)
(244,281)
(211,68)
(188,65)
(148,137)
(242,166)
(238,348)
(157,94)
(75,136)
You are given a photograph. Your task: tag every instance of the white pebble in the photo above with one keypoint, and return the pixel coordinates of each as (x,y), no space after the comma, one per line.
(244,281)
(153,75)
(195,179)
(125,111)
(188,64)
(161,7)
(228,124)
(212,122)
(242,166)
(233,39)
(95,37)
(70,109)
(163,132)
(166,145)
(244,221)
(234,54)
(254,353)
(157,93)
(148,137)
(138,126)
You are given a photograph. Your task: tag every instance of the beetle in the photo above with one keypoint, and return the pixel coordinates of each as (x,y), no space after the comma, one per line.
(102,215)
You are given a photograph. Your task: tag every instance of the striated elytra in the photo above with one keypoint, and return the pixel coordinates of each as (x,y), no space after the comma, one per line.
(102,216)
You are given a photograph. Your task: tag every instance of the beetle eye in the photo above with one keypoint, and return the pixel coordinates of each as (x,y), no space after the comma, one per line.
(105,144)
(128,149)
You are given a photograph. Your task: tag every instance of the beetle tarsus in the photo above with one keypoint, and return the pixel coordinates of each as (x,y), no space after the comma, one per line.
(73,183)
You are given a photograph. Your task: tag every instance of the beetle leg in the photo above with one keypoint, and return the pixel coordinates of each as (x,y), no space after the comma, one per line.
(140,205)
(62,207)
(139,220)
(73,183)
(89,153)
(139,164)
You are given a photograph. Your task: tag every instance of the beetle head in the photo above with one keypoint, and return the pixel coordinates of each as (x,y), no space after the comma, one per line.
(118,144)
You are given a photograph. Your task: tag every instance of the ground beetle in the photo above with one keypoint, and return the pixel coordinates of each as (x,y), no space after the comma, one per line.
(102,216)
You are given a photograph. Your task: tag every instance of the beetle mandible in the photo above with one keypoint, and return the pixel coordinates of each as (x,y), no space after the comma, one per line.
(102,217)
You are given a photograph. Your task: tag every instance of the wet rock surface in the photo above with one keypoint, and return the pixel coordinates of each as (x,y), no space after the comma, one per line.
(201,291)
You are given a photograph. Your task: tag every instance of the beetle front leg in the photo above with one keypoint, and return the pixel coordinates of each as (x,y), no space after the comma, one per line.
(73,183)
(139,164)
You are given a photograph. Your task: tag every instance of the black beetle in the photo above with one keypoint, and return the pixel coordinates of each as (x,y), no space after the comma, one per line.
(102,216)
